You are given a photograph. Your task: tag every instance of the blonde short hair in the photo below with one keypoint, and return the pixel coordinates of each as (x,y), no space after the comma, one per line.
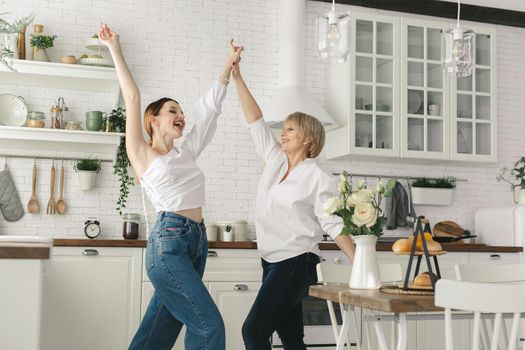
(312,130)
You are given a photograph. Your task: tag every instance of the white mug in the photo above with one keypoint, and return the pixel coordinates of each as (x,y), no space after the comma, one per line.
(228,236)
(433,109)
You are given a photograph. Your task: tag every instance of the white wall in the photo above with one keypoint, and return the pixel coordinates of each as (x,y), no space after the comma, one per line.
(175,49)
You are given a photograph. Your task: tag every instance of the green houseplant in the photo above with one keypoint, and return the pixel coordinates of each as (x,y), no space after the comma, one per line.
(117,123)
(9,37)
(433,191)
(41,43)
(515,177)
(87,170)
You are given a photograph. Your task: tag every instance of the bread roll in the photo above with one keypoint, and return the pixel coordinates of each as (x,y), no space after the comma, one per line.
(402,245)
(433,246)
(423,279)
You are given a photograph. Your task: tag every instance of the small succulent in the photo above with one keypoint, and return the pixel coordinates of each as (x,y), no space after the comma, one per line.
(227,228)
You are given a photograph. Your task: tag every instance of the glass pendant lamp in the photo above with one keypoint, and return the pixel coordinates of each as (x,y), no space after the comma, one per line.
(457,50)
(333,31)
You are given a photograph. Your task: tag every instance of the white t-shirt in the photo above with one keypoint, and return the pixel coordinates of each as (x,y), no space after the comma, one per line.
(289,215)
(173,181)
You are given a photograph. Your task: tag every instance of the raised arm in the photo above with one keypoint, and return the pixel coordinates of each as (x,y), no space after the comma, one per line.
(249,106)
(135,144)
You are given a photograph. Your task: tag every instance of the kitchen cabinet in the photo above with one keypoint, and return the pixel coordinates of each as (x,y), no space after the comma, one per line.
(91,298)
(61,76)
(232,277)
(393,100)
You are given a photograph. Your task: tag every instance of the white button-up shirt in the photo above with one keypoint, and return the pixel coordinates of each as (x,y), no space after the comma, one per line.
(289,215)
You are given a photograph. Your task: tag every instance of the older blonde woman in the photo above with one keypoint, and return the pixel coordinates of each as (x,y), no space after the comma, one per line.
(289,220)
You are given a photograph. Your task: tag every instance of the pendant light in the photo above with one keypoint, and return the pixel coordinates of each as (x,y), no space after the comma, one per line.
(333,30)
(457,50)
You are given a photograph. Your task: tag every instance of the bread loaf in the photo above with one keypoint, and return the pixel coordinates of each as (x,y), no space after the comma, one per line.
(433,246)
(423,280)
(402,245)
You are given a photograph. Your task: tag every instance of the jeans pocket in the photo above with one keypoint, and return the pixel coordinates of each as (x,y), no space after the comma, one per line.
(150,254)
(173,230)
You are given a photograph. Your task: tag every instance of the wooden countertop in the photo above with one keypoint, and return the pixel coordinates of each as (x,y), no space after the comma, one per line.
(24,251)
(140,243)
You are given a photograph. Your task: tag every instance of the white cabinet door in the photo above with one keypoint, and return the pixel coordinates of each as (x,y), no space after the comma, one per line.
(91,298)
(147,293)
(473,104)
(424,94)
(234,300)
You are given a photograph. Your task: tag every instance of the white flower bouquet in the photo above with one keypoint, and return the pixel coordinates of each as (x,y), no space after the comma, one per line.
(360,208)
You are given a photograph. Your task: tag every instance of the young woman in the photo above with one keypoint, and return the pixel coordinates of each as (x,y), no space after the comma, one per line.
(177,246)
(289,221)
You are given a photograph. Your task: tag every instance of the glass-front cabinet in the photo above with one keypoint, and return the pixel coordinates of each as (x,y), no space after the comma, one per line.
(473,111)
(391,98)
(425,103)
(370,78)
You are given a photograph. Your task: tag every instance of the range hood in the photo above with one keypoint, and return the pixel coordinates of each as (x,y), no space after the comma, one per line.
(291,96)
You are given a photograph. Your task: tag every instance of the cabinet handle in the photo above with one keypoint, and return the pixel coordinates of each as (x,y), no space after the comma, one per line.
(90,252)
(495,257)
(241,287)
(338,260)
(212,254)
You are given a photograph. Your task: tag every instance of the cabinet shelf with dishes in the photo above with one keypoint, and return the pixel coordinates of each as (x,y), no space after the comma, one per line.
(15,140)
(61,76)
(393,100)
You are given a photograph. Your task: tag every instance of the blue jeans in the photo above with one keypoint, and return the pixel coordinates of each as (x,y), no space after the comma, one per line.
(175,259)
(278,305)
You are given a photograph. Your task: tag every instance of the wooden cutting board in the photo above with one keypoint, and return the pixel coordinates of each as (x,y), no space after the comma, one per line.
(447,229)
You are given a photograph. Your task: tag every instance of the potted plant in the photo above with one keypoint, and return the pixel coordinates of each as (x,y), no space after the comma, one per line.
(9,38)
(41,43)
(433,191)
(117,123)
(87,170)
(516,178)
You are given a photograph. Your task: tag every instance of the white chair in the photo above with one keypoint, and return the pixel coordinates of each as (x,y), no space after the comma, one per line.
(481,298)
(337,273)
(491,274)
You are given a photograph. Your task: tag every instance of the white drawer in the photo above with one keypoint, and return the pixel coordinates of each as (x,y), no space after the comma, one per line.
(494,258)
(228,265)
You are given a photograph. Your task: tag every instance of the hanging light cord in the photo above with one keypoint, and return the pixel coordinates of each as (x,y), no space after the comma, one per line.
(459,7)
(333,5)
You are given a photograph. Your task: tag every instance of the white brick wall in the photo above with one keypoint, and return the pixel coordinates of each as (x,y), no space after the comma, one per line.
(175,49)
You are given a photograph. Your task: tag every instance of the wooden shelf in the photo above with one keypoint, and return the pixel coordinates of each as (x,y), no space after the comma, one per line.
(421,253)
(58,141)
(61,76)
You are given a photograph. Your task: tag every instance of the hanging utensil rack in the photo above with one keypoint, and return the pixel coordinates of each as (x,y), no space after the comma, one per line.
(390,176)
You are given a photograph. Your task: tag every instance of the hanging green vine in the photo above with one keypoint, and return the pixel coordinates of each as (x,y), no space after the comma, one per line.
(117,123)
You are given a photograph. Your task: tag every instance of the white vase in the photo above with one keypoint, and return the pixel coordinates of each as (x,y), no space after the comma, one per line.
(86,179)
(41,55)
(365,269)
(519,195)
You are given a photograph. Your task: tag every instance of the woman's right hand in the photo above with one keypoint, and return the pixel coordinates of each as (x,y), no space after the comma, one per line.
(108,37)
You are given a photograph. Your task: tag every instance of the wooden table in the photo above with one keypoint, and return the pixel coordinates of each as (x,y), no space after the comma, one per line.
(399,305)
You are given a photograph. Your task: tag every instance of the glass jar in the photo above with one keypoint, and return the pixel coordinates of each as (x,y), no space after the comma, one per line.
(36,120)
(130,226)
(73,125)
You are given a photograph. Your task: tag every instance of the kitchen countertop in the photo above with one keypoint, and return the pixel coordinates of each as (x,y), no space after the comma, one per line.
(140,243)
(24,251)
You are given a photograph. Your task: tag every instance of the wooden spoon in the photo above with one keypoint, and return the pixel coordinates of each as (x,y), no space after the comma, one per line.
(32,206)
(61,205)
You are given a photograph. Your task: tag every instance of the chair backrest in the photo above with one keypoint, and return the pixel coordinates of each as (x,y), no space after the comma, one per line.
(480,298)
(490,273)
(338,273)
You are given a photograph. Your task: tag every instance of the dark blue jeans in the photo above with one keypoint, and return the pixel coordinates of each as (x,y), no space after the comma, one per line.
(278,306)
(175,259)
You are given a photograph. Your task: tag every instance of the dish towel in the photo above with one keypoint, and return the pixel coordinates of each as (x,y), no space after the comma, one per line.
(10,204)
(397,208)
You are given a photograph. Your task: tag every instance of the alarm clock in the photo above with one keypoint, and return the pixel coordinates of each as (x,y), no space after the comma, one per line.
(92,227)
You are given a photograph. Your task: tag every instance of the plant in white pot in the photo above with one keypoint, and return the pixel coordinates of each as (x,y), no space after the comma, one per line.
(516,178)
(87,170)
(41,43)
(360,209)
(433,191)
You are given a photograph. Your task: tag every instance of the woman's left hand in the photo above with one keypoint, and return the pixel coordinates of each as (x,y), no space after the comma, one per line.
(234,54)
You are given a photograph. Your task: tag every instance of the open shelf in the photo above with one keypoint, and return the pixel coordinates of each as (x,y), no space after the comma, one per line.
(103,144)
(61,76)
